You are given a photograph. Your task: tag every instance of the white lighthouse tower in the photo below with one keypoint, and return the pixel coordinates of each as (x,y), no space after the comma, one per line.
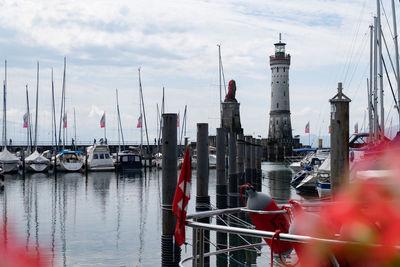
(280,128)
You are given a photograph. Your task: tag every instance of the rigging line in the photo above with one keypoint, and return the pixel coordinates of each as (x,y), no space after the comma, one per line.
(390,58)
(362,49)
(387,21)
(350,56)
(391,87)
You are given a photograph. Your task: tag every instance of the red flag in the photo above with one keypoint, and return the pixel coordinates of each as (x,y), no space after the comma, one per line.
(103,121)
(307,130)
(356,128)
(65,120)
(26,116)
(139,122)
(181,199)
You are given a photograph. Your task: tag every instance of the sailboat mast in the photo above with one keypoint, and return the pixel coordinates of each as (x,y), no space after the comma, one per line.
(54,124)
(375,82)
(4,105)
(119,139)
(144,112)
(396,48)
(62,106)
(120,125)
(29,127)
(379,33)
(220,84)
(74,127)
(369,88)
(37,104)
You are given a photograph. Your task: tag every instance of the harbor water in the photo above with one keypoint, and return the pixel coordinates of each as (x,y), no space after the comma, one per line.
(104,218)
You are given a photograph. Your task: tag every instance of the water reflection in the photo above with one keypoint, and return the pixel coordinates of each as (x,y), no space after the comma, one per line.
(102,219)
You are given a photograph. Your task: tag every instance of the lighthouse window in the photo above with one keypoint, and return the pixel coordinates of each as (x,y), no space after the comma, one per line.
(284,93)
(284,69)
(277,105)
(277,122)
(277,69)
(277,81)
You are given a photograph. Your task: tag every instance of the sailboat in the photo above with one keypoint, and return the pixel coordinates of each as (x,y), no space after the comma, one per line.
(8,161)
(126,159)
(67,160)
(36,162)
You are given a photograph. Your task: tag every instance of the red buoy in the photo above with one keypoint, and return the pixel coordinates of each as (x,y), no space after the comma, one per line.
(267,222)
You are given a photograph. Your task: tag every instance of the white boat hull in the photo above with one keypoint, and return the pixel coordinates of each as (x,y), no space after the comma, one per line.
(69,166)
(9,167)
(37,167)
(101,168)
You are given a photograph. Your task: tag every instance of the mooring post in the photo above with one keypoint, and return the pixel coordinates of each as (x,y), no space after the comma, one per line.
(258,165)
(232,171)
(339,139)
(247,158)
(253,162)
(240,162)
(222,198)
(202,197)
(170,251)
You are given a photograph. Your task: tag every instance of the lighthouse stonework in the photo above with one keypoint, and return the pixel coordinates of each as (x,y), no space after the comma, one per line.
(279,116)
(280,140)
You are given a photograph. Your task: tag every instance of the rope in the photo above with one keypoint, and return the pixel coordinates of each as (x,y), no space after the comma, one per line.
(277,237)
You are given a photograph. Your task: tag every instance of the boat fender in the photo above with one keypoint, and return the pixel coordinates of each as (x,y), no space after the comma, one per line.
(267,222)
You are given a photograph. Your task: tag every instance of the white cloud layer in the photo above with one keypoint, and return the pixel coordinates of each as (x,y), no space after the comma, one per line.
(175,44)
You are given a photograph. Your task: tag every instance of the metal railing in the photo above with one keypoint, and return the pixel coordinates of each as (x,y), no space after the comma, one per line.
(199,228)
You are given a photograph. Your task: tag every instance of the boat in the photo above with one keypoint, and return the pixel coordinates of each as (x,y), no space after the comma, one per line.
(128,160)
(36,162)
(69,160)
(9,163)
(157,161)
(98,158)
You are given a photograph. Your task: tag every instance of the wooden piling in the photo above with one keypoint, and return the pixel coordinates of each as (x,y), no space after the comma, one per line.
(240,162)
(202,197)
(339,139)
(222,198)
(258,149)
(247,158)
(232,172)
(170,252)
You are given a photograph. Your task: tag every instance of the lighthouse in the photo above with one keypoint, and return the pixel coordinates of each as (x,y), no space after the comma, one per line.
(280,129)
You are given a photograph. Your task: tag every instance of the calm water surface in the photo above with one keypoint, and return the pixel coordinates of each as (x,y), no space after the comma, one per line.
(103,219)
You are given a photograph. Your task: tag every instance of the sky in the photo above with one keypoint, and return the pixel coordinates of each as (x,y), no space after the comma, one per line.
(175,45)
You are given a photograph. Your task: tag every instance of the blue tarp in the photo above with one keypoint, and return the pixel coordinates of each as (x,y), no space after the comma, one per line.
(70,151)
(304,149)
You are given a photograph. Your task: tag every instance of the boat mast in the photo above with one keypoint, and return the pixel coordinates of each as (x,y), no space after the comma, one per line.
(28,127)
(74,129)
(379,33)
(396,48)
(4,106)
(119,125)
(375,83)
(54,124)
(37,104)
(62,114)
(220,84)
(144,112)
(369,88)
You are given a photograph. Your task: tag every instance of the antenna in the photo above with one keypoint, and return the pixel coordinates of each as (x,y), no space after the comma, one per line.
(279,37)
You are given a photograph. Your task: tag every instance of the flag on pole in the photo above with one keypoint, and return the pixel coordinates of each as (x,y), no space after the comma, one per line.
(139,122)
(307,130)
(177,121)
(356,128)
(181,199)
(26,116)
(103,121)
(65,120)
